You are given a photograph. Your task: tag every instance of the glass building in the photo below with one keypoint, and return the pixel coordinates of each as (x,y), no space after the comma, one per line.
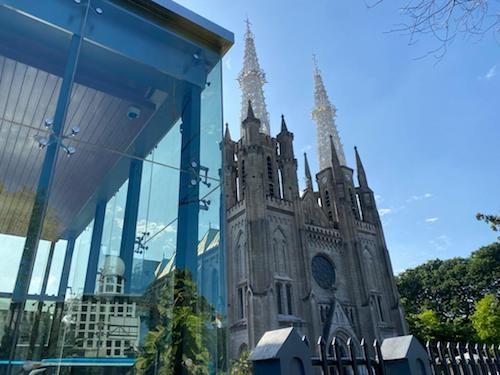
(110,194)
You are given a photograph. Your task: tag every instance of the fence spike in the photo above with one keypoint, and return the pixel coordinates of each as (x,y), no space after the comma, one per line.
(452,358)
(322,355)
(472,361)
(378,356)
(496,357)
(482,363)
(463,362)
(442,360)
(338,356)
(432,358)
(305,340)
(352,353)
(490,364)
(366,353)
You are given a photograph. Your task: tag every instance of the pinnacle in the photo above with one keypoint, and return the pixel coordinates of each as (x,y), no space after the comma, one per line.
(335,157)
(307,172)
(250,113)
(284,129)
(227,135)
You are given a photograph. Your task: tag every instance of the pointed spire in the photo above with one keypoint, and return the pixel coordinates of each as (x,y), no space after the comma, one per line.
(250,113)
(227,135)
(363,182)
(334,156)
(308,173)
(324,114)
(284,129)
(252,79)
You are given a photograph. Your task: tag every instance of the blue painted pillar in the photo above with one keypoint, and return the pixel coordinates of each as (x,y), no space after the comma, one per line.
(95,248)
(189,189)
(130,220)
(63,284)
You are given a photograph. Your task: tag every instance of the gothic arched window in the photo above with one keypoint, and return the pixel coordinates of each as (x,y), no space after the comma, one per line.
(289,298)
(279,298)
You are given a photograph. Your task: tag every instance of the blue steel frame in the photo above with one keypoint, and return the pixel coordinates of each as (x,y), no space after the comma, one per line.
(189,187)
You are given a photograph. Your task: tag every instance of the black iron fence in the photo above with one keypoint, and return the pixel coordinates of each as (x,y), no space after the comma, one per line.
(338,359)
(453,359)
(444,358)
(284,351)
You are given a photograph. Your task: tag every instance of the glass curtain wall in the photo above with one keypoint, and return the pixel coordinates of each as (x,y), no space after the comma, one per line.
(110,209)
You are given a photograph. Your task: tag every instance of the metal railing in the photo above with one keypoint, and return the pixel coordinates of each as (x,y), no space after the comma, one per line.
(459,359)
(332,360)
(444,358)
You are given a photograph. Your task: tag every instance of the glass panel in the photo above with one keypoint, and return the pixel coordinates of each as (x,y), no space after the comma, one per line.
(105,288)
(33,57)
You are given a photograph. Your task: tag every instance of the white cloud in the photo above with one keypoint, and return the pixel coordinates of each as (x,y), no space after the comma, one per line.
(431,219)
(441,243)
(384,211)
(491,73)
(379,198)
(414,198)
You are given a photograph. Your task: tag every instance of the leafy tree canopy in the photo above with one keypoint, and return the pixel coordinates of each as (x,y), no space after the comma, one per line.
(440,296)
(486,319)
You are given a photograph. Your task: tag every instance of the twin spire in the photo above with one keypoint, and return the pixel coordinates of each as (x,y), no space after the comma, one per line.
(252,79)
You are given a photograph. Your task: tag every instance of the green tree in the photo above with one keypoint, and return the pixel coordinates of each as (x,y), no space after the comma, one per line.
(449,288)
(178,338)
(492,220)
(486,319)
(427,325)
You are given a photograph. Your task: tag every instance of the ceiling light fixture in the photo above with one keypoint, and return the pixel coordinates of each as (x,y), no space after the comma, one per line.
(53,138)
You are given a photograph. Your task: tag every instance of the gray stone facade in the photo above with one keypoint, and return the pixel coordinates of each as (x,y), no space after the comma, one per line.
(315,260)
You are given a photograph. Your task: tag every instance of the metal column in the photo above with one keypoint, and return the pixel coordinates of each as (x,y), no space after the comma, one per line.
(189,189)
(95,248)
(130,220)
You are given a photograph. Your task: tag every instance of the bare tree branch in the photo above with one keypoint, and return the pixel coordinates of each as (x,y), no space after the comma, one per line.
(444,20)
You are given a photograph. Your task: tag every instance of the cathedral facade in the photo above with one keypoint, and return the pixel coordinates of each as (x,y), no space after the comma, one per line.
(314,259)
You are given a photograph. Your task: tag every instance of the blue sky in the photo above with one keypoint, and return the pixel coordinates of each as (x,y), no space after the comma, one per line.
(428,131)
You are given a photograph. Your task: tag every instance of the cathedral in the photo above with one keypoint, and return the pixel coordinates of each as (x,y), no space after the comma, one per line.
(314,259)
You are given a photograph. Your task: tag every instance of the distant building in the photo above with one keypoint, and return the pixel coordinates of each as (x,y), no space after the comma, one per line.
(316,259)
(107,323)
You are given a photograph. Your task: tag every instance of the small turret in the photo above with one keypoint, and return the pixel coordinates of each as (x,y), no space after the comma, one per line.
(285,140)
(287,163)
(251,125)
